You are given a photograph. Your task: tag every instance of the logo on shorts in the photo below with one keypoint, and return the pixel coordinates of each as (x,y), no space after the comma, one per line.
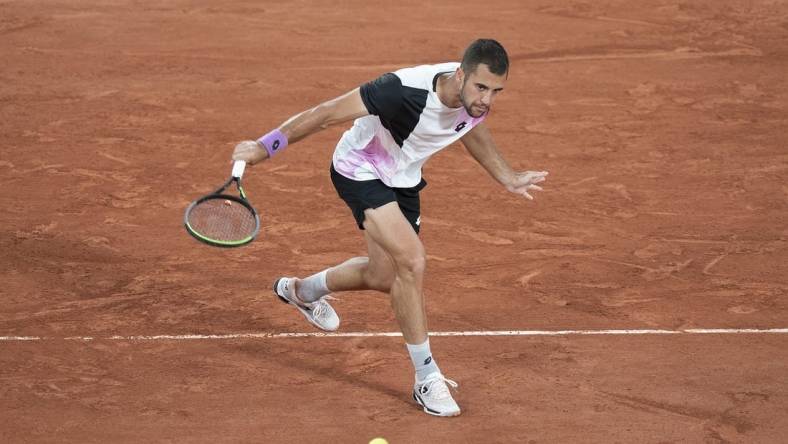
(460,126)
(418,220)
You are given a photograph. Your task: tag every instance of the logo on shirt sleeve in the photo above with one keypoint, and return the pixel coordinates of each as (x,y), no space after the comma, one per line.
(460,126)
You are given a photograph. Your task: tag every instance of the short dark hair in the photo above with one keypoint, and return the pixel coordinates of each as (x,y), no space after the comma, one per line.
(489,52)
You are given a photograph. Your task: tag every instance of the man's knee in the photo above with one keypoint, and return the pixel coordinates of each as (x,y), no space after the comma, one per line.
(411,264)
(379,281)
(379,275)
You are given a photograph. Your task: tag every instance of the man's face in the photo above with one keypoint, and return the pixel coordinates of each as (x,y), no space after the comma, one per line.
(479,89)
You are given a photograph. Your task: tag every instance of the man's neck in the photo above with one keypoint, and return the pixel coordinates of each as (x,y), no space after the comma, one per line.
(448,90)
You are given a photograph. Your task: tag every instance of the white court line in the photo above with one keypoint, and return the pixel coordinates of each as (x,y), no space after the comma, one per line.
(199,337)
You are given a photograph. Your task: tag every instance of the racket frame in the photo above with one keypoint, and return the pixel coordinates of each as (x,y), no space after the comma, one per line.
(219,194)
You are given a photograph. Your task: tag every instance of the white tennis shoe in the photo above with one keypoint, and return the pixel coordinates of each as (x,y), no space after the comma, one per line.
(320,313)
(433,394)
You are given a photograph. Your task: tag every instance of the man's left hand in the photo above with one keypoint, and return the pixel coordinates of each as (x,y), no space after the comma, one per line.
(526,181)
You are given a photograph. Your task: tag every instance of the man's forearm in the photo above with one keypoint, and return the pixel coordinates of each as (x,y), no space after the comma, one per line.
(495,164)
(483,150)
(305,123)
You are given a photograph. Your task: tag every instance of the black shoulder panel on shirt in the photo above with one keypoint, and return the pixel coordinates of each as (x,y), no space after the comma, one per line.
(398,107)
(383,96)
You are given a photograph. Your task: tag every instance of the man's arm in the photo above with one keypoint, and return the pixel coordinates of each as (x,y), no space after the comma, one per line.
(341,109)
(346,107)
(479,143)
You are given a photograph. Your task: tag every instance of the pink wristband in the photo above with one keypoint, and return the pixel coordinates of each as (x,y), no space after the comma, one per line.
(273,142)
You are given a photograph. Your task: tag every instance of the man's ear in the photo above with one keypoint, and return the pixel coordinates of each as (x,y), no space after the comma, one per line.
(460,75)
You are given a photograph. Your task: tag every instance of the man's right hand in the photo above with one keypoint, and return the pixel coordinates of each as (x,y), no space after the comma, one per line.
(249,151)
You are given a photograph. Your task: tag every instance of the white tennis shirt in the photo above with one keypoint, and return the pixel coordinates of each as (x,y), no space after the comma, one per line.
(407,124)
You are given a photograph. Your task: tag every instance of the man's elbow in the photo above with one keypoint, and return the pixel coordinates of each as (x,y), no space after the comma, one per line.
(328,114)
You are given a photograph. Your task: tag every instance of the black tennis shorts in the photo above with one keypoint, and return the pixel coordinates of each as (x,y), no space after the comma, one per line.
(360,195)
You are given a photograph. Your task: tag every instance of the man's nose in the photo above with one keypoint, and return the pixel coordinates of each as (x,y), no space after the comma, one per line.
(487,98)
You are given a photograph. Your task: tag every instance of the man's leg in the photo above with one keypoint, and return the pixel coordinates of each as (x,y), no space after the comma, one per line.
(395,265)
(376,270)
(392,232)
(389,229)
(372,272)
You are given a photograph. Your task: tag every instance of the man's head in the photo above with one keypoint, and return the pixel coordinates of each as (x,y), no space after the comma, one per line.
(488,52)
(483,72)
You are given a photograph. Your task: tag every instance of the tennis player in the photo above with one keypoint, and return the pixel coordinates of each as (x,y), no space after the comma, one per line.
(400,120)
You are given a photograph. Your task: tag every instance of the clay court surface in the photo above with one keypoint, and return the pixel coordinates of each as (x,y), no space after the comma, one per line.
(663,126)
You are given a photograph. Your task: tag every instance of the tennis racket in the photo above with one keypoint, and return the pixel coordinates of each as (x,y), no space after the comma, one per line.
(223,220)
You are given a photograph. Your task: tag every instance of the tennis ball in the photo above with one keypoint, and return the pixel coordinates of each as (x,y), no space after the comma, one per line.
(379,441)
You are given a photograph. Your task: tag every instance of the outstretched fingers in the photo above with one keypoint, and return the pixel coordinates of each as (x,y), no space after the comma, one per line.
(527,181)
(537,176)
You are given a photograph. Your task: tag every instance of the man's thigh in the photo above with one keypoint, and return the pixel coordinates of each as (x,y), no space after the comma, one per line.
(381,265)
(393,233)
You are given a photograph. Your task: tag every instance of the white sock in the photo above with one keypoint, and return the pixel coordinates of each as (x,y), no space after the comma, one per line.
(314,287)
(422,360)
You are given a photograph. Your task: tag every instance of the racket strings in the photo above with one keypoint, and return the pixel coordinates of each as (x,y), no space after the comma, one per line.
(222,220)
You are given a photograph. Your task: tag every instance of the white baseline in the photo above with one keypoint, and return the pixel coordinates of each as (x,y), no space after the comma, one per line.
(229,336)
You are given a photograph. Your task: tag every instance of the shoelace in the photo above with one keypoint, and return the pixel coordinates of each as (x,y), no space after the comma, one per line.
(320,306)
(439,391)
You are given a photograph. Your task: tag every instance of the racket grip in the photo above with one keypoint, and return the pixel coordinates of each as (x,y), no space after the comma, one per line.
(238,168)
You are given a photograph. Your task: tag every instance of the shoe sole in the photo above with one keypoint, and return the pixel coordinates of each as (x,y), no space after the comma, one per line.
(303,311)
(429,411)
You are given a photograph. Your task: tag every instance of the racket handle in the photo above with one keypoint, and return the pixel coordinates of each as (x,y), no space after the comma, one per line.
(238,168)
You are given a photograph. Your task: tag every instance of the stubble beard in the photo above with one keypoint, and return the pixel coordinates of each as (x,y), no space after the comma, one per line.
(468,107)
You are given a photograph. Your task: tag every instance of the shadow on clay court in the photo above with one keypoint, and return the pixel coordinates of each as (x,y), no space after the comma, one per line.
(329,371)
